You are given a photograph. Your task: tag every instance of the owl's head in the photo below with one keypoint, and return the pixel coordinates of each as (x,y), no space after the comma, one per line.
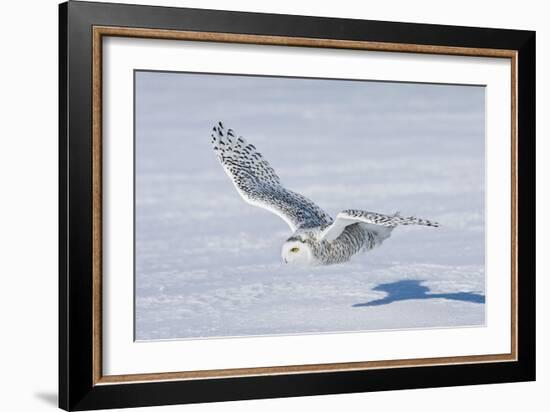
(296,251)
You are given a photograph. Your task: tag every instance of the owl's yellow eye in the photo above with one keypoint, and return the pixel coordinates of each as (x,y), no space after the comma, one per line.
(295,249)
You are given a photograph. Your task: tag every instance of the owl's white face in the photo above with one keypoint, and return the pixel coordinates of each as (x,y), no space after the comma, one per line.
(296,252)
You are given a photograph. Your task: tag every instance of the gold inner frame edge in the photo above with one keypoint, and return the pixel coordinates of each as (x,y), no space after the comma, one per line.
(98,32)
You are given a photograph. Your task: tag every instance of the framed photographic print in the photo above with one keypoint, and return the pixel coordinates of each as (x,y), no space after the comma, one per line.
(256,205)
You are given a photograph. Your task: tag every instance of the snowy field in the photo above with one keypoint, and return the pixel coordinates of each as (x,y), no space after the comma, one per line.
(209,265)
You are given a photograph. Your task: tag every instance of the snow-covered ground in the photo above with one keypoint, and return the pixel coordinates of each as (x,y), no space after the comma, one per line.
(209,265)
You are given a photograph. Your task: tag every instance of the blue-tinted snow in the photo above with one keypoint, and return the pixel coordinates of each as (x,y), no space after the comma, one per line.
(207,264)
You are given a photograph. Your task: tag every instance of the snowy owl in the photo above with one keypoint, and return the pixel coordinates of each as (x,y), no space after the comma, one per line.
(317,239)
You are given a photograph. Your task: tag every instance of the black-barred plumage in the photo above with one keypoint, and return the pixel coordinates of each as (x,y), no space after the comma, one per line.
(317,238)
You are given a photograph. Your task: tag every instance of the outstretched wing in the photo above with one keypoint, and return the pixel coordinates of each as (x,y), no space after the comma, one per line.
(259,185)
(377,223)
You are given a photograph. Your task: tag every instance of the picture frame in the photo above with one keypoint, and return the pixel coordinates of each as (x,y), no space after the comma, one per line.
(84,26)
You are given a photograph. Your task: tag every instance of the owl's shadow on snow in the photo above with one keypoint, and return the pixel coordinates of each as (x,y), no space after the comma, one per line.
(414,290)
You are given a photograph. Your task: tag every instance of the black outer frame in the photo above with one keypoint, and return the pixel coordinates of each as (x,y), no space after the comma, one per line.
(76,389)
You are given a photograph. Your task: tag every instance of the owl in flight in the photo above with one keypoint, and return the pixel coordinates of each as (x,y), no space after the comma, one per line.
(317,239)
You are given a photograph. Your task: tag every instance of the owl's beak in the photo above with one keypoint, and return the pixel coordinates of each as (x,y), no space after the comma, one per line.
(285,260)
